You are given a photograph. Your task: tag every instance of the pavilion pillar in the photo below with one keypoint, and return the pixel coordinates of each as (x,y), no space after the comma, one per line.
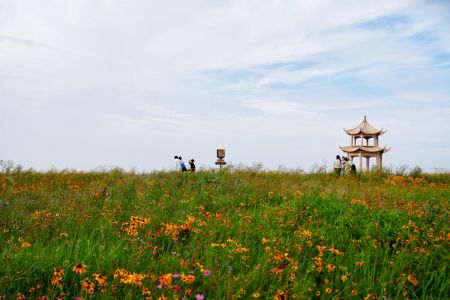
(367,163)
(381,162)
(378,160)
(360,161)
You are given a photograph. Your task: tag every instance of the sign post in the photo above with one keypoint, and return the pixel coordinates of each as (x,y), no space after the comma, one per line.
(220,158)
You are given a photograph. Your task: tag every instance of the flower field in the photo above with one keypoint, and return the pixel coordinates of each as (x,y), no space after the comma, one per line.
(223,235)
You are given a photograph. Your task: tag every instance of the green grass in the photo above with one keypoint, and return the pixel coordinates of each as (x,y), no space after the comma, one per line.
(258,234)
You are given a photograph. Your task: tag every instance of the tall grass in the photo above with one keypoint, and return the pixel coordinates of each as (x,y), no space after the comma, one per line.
(223,235)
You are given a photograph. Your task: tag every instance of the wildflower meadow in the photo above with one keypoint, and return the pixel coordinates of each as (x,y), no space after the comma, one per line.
(223,235)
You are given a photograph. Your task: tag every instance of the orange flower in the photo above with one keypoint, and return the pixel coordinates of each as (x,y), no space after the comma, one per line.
(331,268)
(328,290)
(360,263)
(57,281)
(100,279)
(412,279)
(80,269)
(58,272)
(146,291)
(165,280)
(292,276)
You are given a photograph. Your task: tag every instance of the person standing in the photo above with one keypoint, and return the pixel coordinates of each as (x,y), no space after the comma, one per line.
(337,166)
(177,163)
(192,165)
(344,162)
(183,166)
(353,169)
(348,166)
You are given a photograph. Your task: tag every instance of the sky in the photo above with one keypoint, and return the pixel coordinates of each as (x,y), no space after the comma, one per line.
(91,84)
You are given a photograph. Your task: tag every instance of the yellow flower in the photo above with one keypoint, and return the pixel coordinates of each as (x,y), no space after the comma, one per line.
(188,279)
(88,286)
(188,292)
(120,273)
(281,295)
(299,193)
(133,279)
(20,296)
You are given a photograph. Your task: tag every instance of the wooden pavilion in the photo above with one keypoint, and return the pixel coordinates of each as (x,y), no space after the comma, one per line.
(365,131)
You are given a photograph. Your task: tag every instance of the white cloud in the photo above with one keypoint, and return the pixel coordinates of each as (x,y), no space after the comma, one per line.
(283,108)
(141,75)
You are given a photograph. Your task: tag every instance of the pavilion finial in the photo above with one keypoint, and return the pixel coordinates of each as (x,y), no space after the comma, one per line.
(365,119)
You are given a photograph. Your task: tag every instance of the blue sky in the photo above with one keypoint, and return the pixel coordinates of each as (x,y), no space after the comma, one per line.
(89,84)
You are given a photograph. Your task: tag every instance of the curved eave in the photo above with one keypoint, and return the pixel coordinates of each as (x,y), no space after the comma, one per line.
(364,128)
(349,149)
(359,131)
(370,149)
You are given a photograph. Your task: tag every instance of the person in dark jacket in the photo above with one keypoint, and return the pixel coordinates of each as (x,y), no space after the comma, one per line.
(192,165)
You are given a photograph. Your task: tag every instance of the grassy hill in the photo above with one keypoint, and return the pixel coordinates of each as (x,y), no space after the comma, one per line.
(225,235)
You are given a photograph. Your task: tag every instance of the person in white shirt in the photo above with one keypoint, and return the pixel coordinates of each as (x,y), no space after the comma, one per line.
(337,166)
(182,164)
(177,163)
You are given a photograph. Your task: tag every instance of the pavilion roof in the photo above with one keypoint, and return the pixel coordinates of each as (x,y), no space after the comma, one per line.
(365,128)
(369,149)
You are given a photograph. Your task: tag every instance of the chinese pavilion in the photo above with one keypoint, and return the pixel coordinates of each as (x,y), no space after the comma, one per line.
(365,131)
